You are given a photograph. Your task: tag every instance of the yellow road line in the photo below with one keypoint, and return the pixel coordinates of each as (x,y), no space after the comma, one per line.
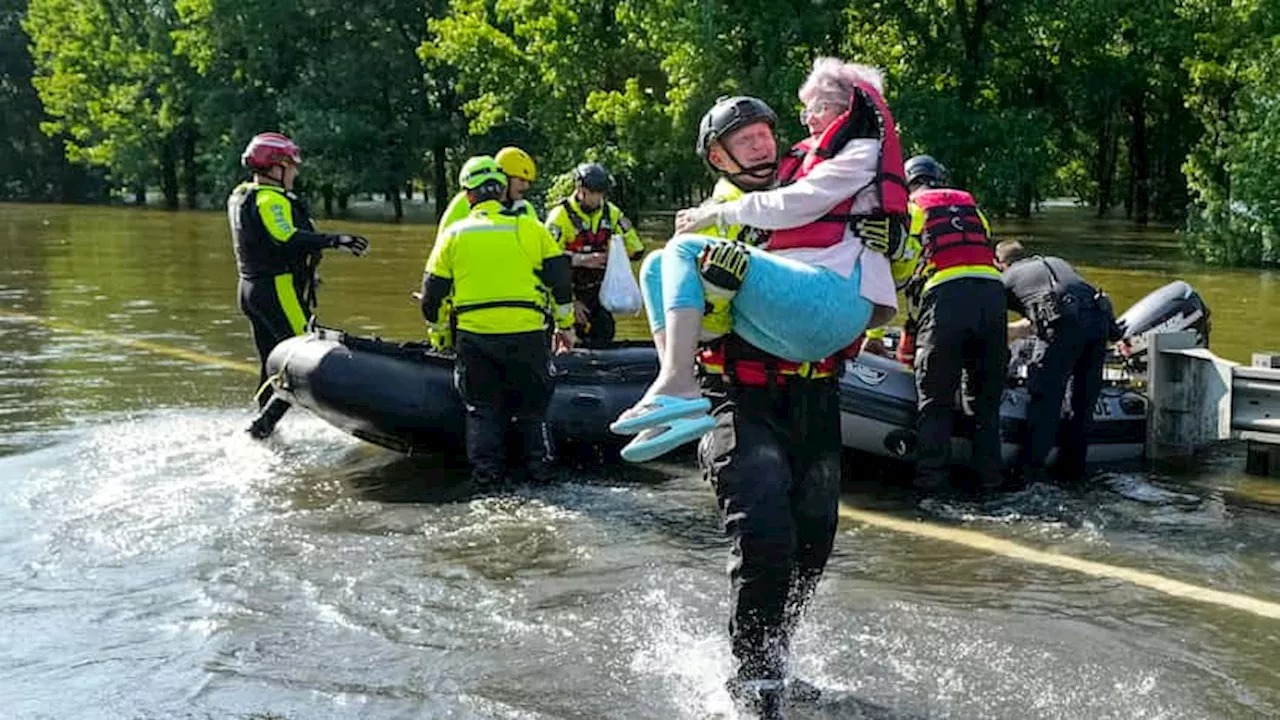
(171,351)
(1007,548)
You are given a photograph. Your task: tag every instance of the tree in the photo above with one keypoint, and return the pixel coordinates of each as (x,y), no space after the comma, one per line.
(32,165)
(1236,195)
(107,75)
(343,79)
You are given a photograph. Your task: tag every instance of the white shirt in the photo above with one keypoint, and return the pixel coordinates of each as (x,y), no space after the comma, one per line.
(852,170)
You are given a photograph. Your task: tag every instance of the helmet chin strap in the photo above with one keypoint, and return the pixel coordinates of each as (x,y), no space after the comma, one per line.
(760,171)
(270,174)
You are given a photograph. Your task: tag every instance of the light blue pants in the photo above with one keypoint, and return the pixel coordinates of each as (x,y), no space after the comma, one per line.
(786,308)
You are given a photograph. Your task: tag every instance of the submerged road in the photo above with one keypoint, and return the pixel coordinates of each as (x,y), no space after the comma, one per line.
(956,536)
(155,563)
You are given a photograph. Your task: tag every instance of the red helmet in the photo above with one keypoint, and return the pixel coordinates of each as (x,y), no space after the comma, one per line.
(268,149)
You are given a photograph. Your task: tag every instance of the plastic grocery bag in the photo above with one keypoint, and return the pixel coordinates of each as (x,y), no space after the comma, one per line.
(620,293)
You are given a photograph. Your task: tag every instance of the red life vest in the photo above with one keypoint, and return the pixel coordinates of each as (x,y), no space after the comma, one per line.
(743,364)
(953,232)
(584,240)
(867,117)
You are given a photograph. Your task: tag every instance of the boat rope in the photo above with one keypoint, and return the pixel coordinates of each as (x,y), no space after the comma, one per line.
(278,375)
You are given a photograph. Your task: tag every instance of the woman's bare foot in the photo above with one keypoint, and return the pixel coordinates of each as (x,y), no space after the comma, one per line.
(666,387)
(674,387)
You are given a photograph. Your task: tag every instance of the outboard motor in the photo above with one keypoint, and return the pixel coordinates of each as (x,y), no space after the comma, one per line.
(1176,306)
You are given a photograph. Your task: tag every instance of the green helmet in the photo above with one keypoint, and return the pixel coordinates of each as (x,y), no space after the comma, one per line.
(480,169)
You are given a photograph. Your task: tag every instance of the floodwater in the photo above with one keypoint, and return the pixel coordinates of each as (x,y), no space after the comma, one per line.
(156,563)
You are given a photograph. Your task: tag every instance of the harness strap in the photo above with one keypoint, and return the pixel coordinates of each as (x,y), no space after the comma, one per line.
(580,227)
(528,304)
(743,365)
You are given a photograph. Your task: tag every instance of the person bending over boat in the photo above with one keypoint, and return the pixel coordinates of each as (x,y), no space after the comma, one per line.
(488,292)
(521,173)
(584,223)
(959,327)
(811,289)
(1075,321)
(277,250)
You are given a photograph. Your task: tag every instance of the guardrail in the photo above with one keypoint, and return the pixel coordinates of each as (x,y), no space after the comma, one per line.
(1198,398)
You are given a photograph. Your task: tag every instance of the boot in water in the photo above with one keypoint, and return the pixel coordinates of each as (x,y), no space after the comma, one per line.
(762,699)
(263,425)
(800,692)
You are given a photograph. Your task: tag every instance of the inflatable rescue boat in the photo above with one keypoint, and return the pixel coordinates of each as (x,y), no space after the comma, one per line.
(401,395)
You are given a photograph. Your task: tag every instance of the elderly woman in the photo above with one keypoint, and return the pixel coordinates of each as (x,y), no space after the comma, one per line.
(812,289)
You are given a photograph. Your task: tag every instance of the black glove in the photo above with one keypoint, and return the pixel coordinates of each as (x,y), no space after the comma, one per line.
(355,244)
(724,264)
(880,234)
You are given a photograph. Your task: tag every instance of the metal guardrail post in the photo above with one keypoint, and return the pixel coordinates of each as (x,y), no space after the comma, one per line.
(1190,391)
(1255,413)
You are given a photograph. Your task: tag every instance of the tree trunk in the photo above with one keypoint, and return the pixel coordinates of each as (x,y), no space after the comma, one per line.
(1110,150)
(972,26)
(169,174)
(1128,195)
(342,204)
(1139,165)
(441,182)
(189,172)
(393,194)
(327,193)
(1026,194)
(1106,168)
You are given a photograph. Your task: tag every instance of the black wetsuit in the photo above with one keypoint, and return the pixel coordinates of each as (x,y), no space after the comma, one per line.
(505,380)
(774,461)
(277,251)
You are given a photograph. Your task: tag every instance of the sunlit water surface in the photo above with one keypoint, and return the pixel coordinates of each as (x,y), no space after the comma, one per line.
(155,563)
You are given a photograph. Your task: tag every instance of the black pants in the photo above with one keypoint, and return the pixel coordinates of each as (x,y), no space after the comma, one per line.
(962,327)
(1076,353)
(774,459)
(505,380)
(260,302)
(600,328)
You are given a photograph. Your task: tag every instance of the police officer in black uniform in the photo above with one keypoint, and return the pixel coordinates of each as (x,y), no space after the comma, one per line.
(277,251)
(1074,321)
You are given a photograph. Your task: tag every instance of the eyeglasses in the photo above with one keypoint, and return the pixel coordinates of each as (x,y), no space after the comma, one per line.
(808,112)
(814,110)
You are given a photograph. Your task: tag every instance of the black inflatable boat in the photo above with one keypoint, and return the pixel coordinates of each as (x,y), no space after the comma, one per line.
(401,396)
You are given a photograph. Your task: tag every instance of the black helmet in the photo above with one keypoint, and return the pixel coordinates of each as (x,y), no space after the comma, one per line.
(729,114)
(592,176)
(924,169)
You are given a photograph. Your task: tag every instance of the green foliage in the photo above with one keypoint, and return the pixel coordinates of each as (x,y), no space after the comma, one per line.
(343,79)
(31,164)
(1230,172)
(107,76)
(1154,105)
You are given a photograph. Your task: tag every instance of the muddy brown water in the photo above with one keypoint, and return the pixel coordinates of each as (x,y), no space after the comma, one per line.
(155,563)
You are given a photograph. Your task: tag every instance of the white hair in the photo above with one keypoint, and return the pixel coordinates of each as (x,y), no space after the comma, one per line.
(832,80)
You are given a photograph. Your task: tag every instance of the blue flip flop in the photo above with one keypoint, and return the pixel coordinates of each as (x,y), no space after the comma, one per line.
(659,410)
(657,441)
